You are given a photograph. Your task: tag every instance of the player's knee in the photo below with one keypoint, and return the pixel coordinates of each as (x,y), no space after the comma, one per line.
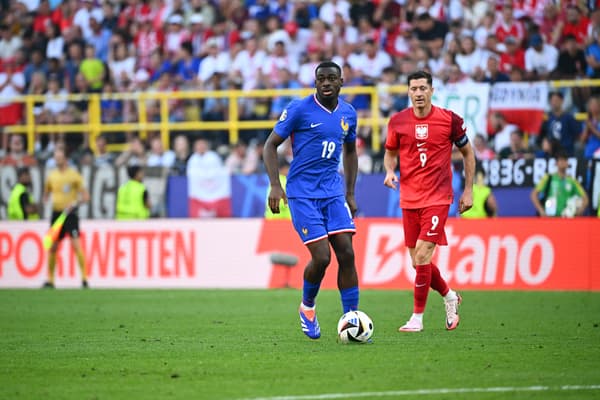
(321,260)
(345,256)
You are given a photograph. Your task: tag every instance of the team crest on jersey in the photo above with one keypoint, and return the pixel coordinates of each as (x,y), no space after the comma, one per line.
(283,115)
(421,131)
(344,126)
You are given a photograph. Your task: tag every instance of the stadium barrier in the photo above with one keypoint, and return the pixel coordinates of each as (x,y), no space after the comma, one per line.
(468,99)
(497,254)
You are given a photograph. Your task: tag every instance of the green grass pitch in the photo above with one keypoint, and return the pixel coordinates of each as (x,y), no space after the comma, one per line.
(243,344)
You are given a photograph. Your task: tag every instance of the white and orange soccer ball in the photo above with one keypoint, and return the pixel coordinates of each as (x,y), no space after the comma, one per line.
(355,327)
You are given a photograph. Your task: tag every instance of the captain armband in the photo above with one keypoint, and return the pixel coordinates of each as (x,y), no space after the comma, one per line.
(462,141)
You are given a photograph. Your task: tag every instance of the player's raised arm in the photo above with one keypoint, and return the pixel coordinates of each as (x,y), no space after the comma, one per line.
(276,192)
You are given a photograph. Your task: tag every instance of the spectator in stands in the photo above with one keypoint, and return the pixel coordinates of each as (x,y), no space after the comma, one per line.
(572,64)
(102,157)
(175,34)
(187,66)
(482,148)
(56,104)
(590,137)
(12,83)
(430,31)
(246,67)
(287,81)
(72,64)
(84,14)
(37,64)
(216,61)
(371,62)
(492,73)
(121,65)
(278,58)
(9,42)
(573,23)
(55,48)
(147,41)
(99,37)
(306,71)
(181,148)
(388,102)
(518,148)
(158,156)
(540,58)
(134,154)
(485,30)
(17,155)
(203,160)
(508,26)
(513,57)
(592,56)
(92,69)
(344,32)
(470,59)
(501,131)
(560,125)
(547,148)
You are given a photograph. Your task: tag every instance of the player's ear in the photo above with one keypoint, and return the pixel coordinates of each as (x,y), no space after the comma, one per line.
(341,81)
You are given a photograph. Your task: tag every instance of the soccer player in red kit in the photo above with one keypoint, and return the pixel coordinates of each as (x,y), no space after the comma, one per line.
(421,137)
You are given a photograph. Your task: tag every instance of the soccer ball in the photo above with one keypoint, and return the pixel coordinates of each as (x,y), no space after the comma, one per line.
(355,327)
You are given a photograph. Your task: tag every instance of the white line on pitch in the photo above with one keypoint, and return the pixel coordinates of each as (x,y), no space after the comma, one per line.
(417,392)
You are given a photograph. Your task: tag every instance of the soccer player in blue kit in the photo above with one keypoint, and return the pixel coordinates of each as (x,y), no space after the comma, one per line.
(320,199)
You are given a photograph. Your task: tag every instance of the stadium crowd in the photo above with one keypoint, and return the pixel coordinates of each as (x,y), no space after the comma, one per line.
(50,47)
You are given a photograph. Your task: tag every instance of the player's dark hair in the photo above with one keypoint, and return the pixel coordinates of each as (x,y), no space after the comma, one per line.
(328,64)
(22,171)
(133,170)
(420,75)
(561,153)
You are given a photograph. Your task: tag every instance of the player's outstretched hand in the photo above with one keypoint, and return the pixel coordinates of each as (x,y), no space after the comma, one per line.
(275,195)
(390,180)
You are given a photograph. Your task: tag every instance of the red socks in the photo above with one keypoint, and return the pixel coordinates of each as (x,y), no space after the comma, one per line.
(437,282)
(422,283)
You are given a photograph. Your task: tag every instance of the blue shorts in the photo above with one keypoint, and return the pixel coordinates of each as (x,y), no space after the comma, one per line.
(316,219)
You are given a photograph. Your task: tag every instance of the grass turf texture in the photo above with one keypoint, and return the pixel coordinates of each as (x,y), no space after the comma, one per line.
(222,344)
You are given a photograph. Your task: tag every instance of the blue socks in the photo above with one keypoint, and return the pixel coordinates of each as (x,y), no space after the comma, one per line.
(349,299)
(349,296)
(309,292)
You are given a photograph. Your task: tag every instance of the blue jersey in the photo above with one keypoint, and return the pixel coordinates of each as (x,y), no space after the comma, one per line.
(317,136)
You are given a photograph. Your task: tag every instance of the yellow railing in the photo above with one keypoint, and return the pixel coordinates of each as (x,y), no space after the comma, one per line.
(233,125)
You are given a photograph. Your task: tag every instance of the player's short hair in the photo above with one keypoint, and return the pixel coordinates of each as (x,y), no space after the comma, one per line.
(561,153)
(328,64)
(420,75)
(133,170)
(22,171)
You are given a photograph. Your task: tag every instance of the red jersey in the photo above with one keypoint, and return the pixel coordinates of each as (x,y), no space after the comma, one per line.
(424,149)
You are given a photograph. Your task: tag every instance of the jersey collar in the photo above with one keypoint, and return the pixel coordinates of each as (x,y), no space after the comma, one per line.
(325,108)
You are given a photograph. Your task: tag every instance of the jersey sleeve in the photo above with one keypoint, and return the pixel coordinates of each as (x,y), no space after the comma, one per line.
(353,122)
(286,124)
(458,132)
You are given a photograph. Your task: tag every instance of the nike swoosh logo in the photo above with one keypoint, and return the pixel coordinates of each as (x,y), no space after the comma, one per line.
(315,125)
(431,233)
(420,144)
(417,285)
